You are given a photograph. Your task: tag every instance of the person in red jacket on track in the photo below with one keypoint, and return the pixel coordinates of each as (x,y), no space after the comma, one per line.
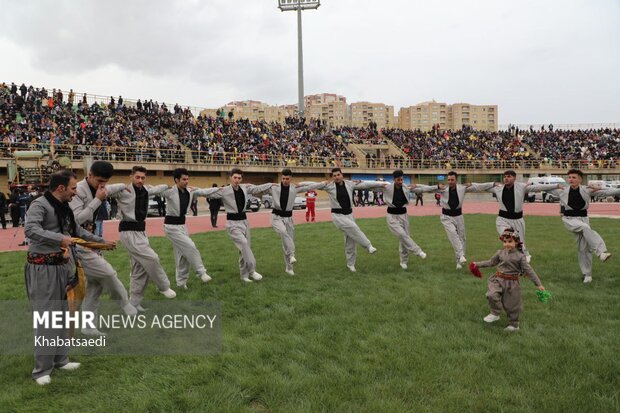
(310,205)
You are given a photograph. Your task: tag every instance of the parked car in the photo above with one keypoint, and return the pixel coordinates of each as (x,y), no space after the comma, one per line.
(544,196)
(267,201)
(153,211)
(252,204)
(300,202)
(604,185)
(550,197)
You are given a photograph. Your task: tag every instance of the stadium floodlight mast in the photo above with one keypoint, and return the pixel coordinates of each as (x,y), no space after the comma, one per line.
(299,5)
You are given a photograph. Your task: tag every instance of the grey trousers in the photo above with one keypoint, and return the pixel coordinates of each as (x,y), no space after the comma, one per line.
(185,253)
(145,265)
(352,235)
(518,225)
(101,277)
(46,289)
(239,232)
(455,230)
(588,241)
(285,228)
(505,295)
(399,226)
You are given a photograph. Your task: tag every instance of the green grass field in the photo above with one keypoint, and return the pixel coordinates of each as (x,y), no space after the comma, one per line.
(380,340)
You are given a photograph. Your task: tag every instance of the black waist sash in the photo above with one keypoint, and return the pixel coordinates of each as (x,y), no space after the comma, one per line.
(574,213)
(452,212)
(131,226)
(170,220)
(239,216)
(283,214)
(510,215)
(397,210)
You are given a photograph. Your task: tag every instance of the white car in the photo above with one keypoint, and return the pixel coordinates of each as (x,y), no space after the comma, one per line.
(300,202)
(544,196)
(153,210)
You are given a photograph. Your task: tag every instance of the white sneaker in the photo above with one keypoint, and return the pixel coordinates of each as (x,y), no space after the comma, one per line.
(462,259)
(403,265)
(169,293)
(528,258)
(140,308)
(205,278)
(372,249)
(491,318)
(43,380)
(289,272)
(459,266)
(293,260)
(587,279)
(256,276)
(92,332)
(70,366)
(511,328)
(351,268)
(422,255)
(605,256)
(182,286)
(246,280)
(130,310)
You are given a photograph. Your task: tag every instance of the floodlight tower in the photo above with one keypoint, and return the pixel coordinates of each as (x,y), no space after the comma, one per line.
(299,5)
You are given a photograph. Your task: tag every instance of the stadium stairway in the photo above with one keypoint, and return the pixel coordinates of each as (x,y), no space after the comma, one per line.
(188,152)
(360,150)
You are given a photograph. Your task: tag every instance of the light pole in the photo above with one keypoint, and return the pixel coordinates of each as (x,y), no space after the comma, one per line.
(299,5)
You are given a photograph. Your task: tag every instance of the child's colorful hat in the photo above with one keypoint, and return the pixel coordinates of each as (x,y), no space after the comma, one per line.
(510,233)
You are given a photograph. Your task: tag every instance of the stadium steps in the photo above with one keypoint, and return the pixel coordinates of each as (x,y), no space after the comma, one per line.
(394,149)
(174,138)
(360,150)
(359,154)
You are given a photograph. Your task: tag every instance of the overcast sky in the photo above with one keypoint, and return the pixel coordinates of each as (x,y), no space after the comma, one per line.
(539,60)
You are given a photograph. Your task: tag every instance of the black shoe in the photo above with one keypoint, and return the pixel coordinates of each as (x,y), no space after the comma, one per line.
(22,244)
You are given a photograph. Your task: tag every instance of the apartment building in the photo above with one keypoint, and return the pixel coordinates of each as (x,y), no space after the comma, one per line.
(335,114)
(424,115)
(362,113)
(479,117)
(254,110)
(322,98)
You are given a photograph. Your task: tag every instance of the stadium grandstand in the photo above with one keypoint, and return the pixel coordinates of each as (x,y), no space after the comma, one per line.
(77,126)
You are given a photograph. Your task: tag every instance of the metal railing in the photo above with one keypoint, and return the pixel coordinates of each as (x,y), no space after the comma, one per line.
(138,154)
(560,126)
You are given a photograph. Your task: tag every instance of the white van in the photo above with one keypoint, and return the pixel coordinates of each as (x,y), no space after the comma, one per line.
(600,184)
(543,195)
(604,185)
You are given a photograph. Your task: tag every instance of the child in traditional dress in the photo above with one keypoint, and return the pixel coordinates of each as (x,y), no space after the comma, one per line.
(503,289)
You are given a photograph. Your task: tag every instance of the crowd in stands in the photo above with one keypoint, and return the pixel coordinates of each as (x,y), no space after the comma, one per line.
(66,125)
(544,146)
(294,143)
(589,145)
(147,131)
(36,119)
(458,145)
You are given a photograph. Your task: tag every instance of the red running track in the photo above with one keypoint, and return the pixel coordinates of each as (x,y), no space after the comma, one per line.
(11,237)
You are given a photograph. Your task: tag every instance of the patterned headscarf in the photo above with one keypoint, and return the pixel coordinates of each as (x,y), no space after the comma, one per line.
(510,233)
